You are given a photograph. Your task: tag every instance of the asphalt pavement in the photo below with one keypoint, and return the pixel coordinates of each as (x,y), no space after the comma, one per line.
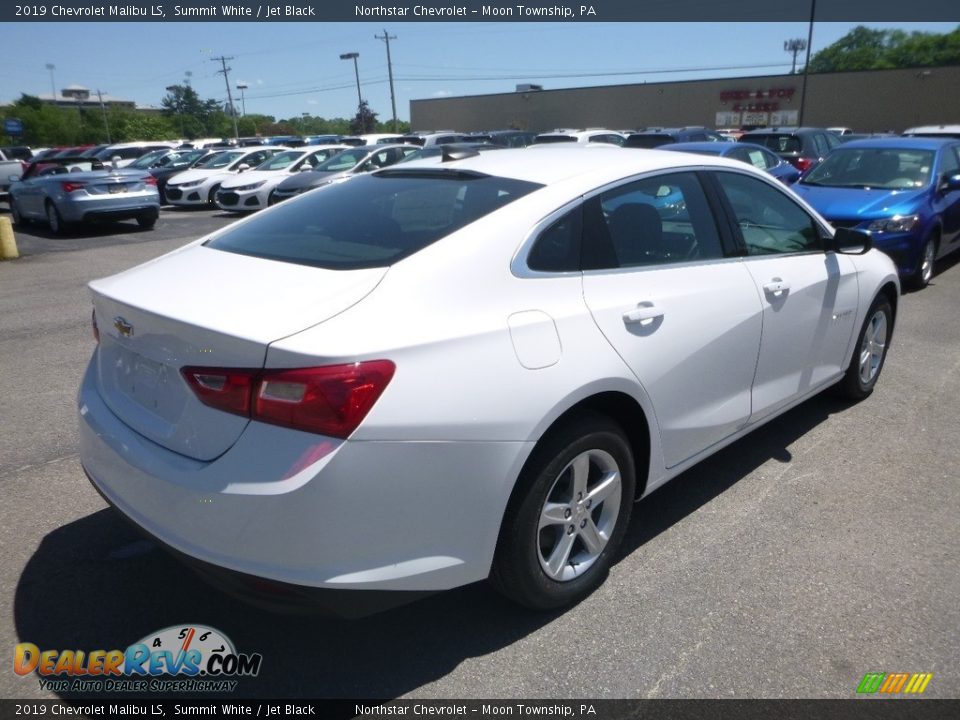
(821,547)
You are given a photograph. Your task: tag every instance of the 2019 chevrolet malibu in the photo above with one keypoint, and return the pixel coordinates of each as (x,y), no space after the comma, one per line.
(432,375)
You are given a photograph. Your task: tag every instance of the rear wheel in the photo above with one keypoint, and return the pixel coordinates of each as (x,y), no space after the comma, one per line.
(15,217)
(867,361)
(54,220)
(568,516)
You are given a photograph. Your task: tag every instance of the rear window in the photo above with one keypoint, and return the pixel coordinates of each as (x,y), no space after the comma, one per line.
(648,141)
(544,139)
(372,220)
(777,143)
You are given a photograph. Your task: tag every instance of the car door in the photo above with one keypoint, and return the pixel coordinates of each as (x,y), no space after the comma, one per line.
(809,296)
(668,293)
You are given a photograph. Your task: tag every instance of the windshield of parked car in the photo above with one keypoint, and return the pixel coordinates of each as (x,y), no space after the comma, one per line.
(373,220)
(281,161)
(149,160)
(221,160)
(881,168)
(343,160)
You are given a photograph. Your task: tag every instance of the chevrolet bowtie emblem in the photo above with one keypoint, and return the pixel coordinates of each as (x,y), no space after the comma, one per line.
(123,327)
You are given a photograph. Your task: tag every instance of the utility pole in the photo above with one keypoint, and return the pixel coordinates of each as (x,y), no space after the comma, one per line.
(393,101)
(226,78)
(103,109)
(806,65)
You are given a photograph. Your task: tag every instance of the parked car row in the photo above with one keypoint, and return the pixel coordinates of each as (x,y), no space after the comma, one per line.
(903,190)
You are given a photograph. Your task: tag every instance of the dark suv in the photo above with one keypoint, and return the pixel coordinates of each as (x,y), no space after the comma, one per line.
(656,137)
(802,147)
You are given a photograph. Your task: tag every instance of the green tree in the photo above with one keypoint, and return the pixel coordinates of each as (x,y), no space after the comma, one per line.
(866,49)
(192,116)
(365,121)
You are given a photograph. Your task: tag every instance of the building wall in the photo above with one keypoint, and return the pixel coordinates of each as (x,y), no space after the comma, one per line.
(867,101)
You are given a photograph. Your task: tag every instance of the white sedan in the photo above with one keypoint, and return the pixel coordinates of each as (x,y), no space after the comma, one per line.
(199,184)
(429,376)
(251,191)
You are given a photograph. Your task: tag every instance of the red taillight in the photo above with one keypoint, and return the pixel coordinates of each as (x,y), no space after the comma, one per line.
(221,388)
(803,164)
(151,180)
(331,400)
(93,321)
(69,187)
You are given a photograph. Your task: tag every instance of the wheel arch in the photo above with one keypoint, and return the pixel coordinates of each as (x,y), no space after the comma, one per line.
(623,409)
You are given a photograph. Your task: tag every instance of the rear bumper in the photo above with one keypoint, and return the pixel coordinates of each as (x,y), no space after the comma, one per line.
(93,208)
(307,511)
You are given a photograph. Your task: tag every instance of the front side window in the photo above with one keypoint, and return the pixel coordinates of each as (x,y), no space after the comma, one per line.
(768,220)
(653,221)
(373,220)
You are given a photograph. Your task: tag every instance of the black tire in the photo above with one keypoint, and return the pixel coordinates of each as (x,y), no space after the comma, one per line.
(55,220)
(146,222)
(519,567)
(924,273)
(853,386)
(212,195)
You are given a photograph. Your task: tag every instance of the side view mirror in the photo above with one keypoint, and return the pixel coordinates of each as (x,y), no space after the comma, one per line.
(950,183)
(243,167)
(305,168)
(850,242)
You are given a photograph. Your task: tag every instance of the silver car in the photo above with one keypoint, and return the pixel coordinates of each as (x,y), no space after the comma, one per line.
(67,191)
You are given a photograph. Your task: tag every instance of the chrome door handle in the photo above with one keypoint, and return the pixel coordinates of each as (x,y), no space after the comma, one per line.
(644,314)
(776,287)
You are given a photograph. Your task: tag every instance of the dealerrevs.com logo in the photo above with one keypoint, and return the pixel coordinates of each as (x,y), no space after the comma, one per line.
(180,658)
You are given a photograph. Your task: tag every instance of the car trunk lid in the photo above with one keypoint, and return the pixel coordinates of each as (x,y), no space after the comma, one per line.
(203,307)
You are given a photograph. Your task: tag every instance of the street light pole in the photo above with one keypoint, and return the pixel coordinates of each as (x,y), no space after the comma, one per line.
(795,46)
(53,86)
(353,56)
(243,98)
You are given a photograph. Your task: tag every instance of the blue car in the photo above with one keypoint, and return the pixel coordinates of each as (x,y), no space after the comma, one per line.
(904,191)
(755,155)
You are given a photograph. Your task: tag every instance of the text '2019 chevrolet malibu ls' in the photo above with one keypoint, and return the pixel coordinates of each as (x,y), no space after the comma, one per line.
(431,375)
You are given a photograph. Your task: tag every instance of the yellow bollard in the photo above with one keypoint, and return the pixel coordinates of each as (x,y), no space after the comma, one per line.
(8,243)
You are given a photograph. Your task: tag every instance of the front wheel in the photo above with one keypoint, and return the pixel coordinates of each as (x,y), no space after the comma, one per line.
(867,361)
(568,515)
(924,272)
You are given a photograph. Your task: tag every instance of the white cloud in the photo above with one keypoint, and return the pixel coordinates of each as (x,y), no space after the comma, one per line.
(313,102)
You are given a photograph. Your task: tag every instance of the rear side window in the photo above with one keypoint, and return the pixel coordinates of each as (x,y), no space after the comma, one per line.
(373,220)
(544,139)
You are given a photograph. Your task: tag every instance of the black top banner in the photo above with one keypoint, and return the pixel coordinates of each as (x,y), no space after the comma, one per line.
(475,11)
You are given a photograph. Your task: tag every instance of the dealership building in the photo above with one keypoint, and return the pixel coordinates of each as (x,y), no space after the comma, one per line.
(867,101)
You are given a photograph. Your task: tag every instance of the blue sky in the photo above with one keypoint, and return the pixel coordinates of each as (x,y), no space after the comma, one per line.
(294,68)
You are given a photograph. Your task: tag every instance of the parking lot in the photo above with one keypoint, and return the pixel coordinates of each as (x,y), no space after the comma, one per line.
(821,547)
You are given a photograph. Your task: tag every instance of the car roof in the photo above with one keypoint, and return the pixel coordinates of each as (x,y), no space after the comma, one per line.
(596,164)
(902,143)
(933,129)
